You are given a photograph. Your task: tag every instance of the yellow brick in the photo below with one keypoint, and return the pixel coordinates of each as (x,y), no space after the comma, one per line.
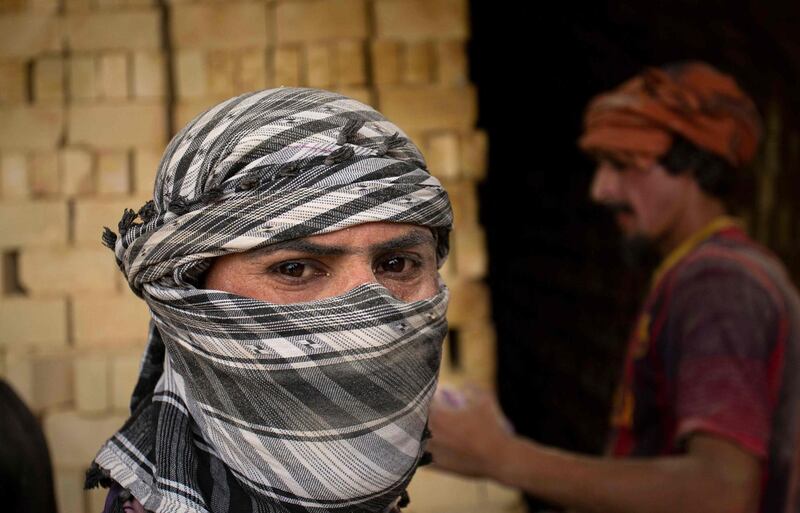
(288,66)
(148,75)
(74,439)
(109,320)
(221,66)
(77,172)
(73,6)
(137,29)
(469,302)
(225,25)
(113,173)
(14,182)
(464,199)
(321,20)
(319,65)
(45,177)
(442,155)
(422,19)
(44,6)
(145,167)
(13,82)
(26,36)
(83,78)
(114,77)
(191,74)
(474,152)
(91,383)
(349,63)
(124,374)
(451,63)
(42,380)
(92,214)
(33,322)
(362,94)
(69,489)
(429,108)
(186,110)
(118,126)
(66,270)
(469,251)
(48,80)
(418,63)
(252,70)
(33,223)
(386,60)
(36,128)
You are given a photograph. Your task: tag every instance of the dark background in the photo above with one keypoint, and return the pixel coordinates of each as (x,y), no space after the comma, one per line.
(562,299)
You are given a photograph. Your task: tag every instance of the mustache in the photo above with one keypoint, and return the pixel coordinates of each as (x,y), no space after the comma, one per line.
(618,207)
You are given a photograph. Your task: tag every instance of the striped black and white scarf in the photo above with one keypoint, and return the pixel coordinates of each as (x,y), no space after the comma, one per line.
(249,406)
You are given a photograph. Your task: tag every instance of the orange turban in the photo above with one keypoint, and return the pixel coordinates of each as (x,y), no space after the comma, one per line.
(694,100)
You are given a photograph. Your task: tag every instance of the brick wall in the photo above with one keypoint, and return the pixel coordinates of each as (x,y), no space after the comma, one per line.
(91,91)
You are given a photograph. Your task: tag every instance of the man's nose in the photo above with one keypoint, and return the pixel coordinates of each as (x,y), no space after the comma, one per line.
(605,184)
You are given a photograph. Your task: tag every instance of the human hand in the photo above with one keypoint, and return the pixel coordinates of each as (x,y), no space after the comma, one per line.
(469,432)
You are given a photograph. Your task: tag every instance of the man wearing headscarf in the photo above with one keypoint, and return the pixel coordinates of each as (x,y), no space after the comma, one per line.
(289,260)
(706,418)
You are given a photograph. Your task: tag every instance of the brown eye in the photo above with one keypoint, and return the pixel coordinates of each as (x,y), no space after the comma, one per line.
(393,265)
(293,269)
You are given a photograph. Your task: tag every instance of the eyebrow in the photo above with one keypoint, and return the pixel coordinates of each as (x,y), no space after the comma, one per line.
(415,238)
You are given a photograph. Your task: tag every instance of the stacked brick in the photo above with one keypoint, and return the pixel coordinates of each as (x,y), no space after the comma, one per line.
(89,93)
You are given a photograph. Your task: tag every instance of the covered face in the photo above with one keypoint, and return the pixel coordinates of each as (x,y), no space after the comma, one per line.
(289,260)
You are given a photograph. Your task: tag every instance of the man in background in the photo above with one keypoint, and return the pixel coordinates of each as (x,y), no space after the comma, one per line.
(706,417)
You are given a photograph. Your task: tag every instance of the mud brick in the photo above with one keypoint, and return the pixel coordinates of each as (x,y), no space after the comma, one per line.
(32,223)
(69,488)
(252,70)
(28,322)
(418,63)
(477,355)
(91,383)
(67,270)
(14,183)
(186,110)
(221,68)
(92,214)
(474,152)
(124,373)
(223,25)
(469,251)
(321,20)
(464,199)
(429,108)
(95,499)
(26,35)
(77,172)
(44,6)
(319,65)
(148,75)
(74,438)
(13,82)
(386,61)
(350,63)
(113,173)
(442,156)
(145,167)
(48,80)
(83,78)
(469,301)
(45,176)
(35,128)
(41,380)
(288,66)
(131,29)
(109,320)
(114,76)
(113,126)
(421,19)
(191,74)
(362,94)
(451,63)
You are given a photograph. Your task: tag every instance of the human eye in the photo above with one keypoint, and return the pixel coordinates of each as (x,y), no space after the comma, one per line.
(297,271)
(398,266)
